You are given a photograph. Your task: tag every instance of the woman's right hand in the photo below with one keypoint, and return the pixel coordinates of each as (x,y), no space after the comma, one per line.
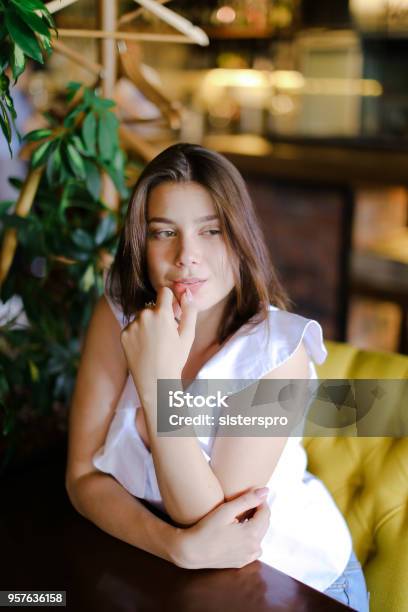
(219,540)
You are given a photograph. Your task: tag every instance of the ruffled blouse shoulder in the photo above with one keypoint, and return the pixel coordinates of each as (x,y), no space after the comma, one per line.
(253,352)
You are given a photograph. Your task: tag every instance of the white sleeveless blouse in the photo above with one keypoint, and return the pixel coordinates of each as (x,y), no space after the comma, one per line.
(308,537)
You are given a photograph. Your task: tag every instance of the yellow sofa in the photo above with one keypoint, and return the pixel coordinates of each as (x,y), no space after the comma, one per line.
(368,478)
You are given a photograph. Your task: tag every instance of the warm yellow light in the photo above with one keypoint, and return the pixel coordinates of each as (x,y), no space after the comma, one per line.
(222,77)
(281,105)
(226,14)
(367,8)
(287,79)
(341,87)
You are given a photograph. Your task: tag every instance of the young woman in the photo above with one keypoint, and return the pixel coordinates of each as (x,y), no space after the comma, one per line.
(190,295)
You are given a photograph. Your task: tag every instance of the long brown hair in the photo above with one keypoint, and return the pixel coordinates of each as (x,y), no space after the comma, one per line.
(256,282)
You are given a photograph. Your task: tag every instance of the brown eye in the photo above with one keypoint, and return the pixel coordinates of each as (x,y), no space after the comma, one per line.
(161,233)
(213,232)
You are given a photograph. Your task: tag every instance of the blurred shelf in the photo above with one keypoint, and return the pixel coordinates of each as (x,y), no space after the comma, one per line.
(385,276)
(319,163)
(394,247)
(384,34)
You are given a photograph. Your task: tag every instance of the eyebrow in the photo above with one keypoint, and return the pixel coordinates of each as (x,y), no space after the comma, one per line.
(166,220)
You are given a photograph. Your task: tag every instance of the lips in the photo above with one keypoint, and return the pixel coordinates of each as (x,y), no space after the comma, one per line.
(194,284)
(189,280)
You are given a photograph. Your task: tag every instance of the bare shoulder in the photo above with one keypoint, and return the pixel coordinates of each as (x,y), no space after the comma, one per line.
(101,376)
(102,345)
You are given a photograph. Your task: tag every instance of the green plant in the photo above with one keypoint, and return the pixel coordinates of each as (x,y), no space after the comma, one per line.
(25,31)
(62,246)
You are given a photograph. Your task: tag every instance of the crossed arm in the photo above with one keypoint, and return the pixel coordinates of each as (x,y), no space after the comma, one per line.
(190,486)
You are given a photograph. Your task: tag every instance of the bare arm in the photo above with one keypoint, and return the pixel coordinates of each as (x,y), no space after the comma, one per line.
(190,486)
(240,462)
(216,541)
(97,496)
(102,500)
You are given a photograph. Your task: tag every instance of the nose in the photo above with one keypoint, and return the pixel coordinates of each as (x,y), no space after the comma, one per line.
(187,252)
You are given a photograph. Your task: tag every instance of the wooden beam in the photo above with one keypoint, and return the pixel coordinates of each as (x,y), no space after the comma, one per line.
(58,5)
(128,17)
(146,36)
(78,58)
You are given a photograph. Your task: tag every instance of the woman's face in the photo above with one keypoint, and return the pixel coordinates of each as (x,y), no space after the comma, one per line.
(185,245)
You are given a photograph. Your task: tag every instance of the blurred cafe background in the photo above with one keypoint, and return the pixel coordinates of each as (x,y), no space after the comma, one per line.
(308,98)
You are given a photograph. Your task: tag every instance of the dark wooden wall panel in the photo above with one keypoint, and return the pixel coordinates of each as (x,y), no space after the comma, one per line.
(306,231)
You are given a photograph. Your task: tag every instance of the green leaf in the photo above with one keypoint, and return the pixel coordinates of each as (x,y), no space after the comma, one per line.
(13,220)
(88,279)
(65,170)
(31,5)
(37,134)
(5,50)
(89,96)
(34,371)
(82,239)
(75,160)
(117,178)
(5,205)
(107,136)
(10,106)
(23,36)
(54,167)
(32,20)
(5,126)
(17,61)
(101,104)
(72,88)
(105,229)
(64,200)
(70,118)
(41,154)
(49,18)
(29,230)
(46,43)
(15,182)
(3,30)
(79,145)
(4,84)
(93,179)
(89,133)
(119,161)
(4,117)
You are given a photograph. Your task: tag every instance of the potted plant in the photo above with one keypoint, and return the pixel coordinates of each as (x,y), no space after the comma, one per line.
(56,240)
(61,248)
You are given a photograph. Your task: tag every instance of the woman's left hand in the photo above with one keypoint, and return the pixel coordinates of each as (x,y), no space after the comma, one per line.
(156,347)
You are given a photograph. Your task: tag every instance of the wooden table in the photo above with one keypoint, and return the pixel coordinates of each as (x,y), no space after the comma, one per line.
(47,545)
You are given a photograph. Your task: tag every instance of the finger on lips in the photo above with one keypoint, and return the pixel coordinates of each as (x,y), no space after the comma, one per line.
(187,296)
(176,309)
(169,301)
(164,297)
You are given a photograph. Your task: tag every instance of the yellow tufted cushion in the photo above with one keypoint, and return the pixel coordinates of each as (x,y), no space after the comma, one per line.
(368,478)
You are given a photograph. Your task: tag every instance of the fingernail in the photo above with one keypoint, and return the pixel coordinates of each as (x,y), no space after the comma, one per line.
(189,295)
(262,492)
